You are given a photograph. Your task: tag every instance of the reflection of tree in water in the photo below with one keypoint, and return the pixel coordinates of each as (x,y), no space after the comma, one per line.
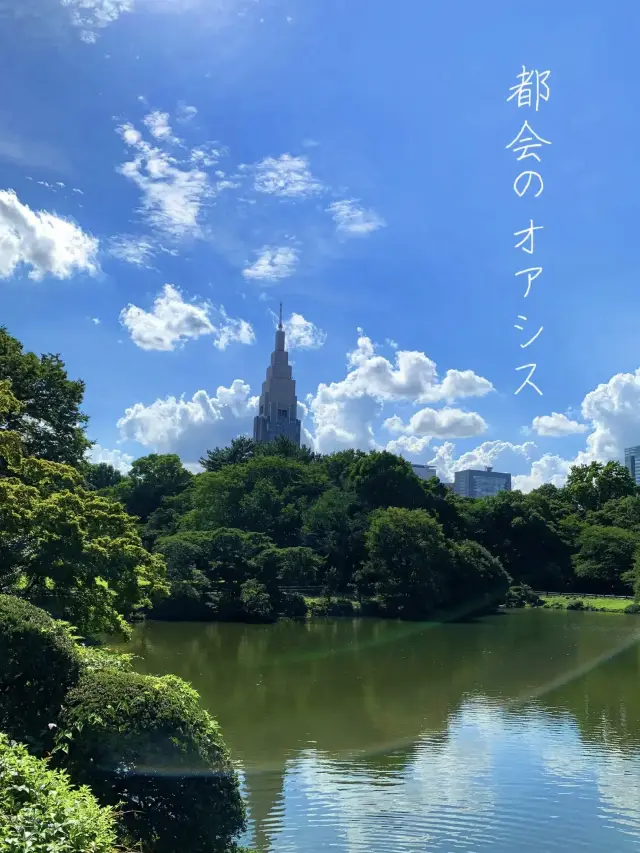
(365,691)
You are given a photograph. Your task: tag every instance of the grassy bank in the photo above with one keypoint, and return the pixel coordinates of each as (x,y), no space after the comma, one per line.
(577,602)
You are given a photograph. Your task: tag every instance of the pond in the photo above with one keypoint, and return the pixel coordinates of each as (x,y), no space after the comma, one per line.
(514,732)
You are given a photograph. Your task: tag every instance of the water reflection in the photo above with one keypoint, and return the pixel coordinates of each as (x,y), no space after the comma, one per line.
(520,730)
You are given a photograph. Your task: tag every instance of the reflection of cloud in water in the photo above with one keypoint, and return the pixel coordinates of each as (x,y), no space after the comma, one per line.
(614,770)
(441,790)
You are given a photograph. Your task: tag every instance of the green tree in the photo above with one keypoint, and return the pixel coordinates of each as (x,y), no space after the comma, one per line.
(268,494)
(408,562)
(384,480)
(479,581)
(605,558)
(591,486)
(49,422)
(241,449)
(335,528)
(72,552)
(100,475)
(523,533)
(151,480)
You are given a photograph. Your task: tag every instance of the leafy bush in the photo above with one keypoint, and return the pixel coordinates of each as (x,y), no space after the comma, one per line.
(293,606)
(147,742)
(41,812)
(576,604)
(521,595)
(335,607)
(40,662)
(255,601)
(632,608)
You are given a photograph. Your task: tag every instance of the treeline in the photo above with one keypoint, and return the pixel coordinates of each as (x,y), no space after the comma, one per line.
(264,518)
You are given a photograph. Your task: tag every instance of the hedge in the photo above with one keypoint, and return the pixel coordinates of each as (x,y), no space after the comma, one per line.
(40,662)
(146,742)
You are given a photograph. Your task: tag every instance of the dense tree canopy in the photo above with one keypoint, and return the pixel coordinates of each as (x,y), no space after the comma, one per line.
(49,421)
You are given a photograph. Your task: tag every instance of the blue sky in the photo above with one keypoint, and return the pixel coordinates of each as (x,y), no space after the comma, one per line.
(175,168)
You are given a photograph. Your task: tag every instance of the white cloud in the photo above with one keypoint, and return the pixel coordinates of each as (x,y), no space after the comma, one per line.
(186,112)
(408,445)
(354,220)
(172,321)
(90,16)
(190,427)
(159,127)
(301,333)
(439,423)
(131,249)
(286,176)
(172,191)
(548,469)
(95,321)
(557,424)
(48,244)
(344,412)
(501,455)
(272,263)
(121,461)
(232,330)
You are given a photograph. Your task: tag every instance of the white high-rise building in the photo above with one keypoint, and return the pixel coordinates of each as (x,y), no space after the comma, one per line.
(278,412)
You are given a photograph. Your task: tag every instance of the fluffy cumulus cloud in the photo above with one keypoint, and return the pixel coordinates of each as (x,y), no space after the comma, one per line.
(172,322)
(172,190)
(439,423)
(301,333)
(121,461)
(502,455)
(344,412)
(557,424)
(44,243)
(190,427)
(272,263)
(286,176)
(353,220)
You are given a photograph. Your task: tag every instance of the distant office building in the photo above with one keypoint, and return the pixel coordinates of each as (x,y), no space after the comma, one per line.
(425,472)
(632,463)
(278,412)
(481,484)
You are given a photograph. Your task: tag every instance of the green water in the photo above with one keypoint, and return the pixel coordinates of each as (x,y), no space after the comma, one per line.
(516,732)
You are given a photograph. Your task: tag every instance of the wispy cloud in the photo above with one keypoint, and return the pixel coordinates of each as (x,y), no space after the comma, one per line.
(286,176)
(131,249)
(354,220)
(172,191)
(272,263)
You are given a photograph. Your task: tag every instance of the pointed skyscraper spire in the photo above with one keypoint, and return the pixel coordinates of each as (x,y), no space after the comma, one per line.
(278,411)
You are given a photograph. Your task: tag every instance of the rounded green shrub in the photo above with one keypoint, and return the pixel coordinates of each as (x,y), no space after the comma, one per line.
(40,811)
(576,604)
(39,662)
(146,742)
(632,608)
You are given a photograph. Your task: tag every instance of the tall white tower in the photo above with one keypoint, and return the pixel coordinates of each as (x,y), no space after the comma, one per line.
(278,412)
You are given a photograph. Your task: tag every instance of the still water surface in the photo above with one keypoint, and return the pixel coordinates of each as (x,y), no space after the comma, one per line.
(515,732)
